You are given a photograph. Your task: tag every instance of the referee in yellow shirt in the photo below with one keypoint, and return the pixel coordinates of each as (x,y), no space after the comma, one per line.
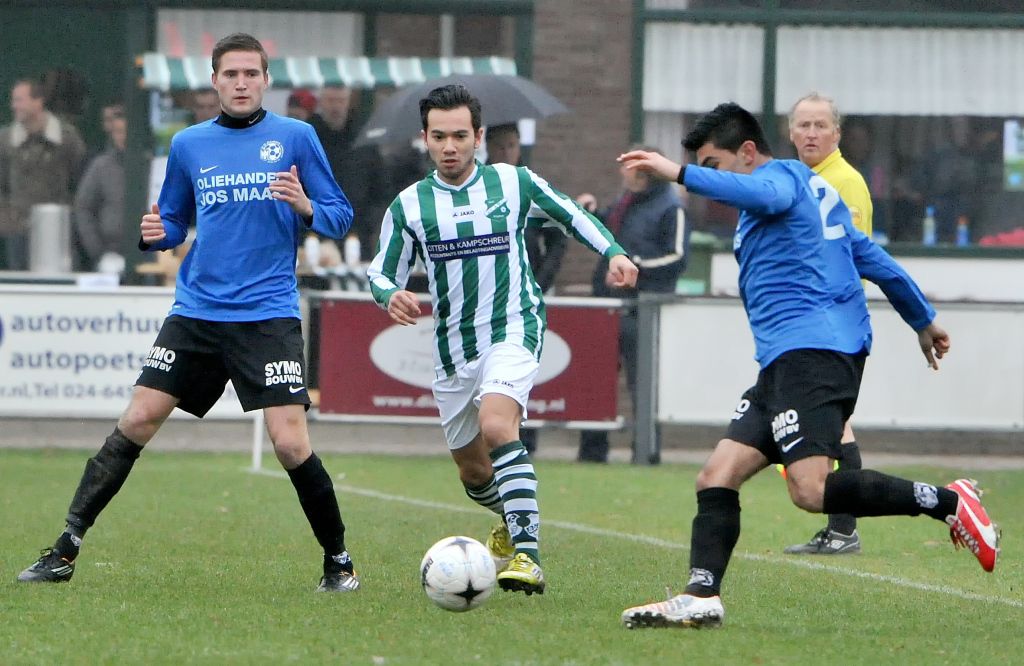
(814,123)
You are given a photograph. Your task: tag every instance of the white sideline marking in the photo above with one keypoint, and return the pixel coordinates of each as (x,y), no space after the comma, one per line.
(662,543)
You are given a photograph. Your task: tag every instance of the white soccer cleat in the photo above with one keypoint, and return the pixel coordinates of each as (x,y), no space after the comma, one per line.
(682,610)
(970,527)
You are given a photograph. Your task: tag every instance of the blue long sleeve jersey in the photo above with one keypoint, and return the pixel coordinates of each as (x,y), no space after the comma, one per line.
(801,260)
(242,264)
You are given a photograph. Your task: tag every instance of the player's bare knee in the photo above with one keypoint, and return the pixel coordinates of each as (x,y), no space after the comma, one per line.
(722,470)
(706,478)
(475,473)
(808,494)
(139,422)
(292,452)
(497,430)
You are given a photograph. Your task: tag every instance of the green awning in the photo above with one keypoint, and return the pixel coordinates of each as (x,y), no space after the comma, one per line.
(160,72)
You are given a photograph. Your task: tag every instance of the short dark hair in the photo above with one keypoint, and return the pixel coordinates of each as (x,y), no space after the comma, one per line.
(238,41)
(449,97)
(505,128)
(727,126)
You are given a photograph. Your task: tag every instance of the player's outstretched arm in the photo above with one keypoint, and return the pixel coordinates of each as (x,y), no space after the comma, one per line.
(653,163)
(934,343)
(621,272)
(404,307)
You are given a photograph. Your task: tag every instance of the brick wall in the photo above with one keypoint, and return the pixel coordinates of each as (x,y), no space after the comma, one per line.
(582,56)
(420,35)
(408,35)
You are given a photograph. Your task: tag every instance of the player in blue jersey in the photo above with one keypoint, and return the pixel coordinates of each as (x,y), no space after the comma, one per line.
(801,261)
(255,182)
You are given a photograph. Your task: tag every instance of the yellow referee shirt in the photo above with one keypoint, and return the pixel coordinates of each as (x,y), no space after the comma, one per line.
(851,187)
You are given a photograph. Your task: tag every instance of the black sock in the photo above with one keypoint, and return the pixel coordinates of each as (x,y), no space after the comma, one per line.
(716,528)
(104,475)
(316,496)
(339,562)
(866,492)
(68,545)
(844,523)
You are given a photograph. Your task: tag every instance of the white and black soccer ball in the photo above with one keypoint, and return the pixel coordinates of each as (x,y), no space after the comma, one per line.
(458,573)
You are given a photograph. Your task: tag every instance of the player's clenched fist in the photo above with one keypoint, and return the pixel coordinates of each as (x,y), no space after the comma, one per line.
(404,307)
(152,226)
(621,272)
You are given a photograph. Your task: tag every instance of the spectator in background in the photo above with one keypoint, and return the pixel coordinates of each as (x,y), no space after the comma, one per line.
(99,202)
(545,246)
(357,169)
(204,105)
(301,105)
(814,129)
(858,149)
(111,115)
(649,222)
(66,92)
(40,161)
(948,177)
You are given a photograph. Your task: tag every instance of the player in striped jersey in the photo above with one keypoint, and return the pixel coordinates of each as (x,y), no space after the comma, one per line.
(466,221)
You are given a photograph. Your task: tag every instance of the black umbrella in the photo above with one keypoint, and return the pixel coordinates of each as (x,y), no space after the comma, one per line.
(504,99)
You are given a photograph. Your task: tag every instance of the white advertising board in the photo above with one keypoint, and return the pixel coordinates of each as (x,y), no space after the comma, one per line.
(67,352)
(707,361)
(941,278)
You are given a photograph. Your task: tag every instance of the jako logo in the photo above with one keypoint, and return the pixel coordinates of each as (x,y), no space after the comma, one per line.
(786,423)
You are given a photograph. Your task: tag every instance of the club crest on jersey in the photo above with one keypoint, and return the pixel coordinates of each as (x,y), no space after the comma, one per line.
(496,208)
(271,151)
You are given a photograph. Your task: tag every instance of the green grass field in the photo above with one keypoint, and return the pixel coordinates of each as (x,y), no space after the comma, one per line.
(200,561)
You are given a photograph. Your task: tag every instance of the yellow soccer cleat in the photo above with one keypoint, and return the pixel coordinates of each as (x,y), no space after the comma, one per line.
(522,575)
(501,546)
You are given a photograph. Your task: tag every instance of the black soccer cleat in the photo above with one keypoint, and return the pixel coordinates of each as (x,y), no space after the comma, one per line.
(827,542)
(51,567)
(338,581)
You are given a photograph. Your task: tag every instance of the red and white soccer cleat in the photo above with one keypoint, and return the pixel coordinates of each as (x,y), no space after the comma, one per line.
(970,527)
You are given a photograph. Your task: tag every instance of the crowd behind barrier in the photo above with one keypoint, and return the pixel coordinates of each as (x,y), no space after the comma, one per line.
(957,173)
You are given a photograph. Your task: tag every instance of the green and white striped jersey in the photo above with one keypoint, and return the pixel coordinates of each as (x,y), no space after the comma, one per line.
(471,241)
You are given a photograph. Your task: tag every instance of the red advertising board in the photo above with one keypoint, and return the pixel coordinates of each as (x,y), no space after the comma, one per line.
(370,366)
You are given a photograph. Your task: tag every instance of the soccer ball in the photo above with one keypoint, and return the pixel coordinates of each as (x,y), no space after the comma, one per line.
(458,573)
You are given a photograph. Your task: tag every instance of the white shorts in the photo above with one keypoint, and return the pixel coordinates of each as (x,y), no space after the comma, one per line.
(505,368)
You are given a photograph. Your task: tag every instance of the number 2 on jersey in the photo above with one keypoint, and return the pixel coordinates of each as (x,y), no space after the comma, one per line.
(825,206)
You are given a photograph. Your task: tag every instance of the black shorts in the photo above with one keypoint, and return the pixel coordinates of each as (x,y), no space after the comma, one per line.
(193,359)
(799,405)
